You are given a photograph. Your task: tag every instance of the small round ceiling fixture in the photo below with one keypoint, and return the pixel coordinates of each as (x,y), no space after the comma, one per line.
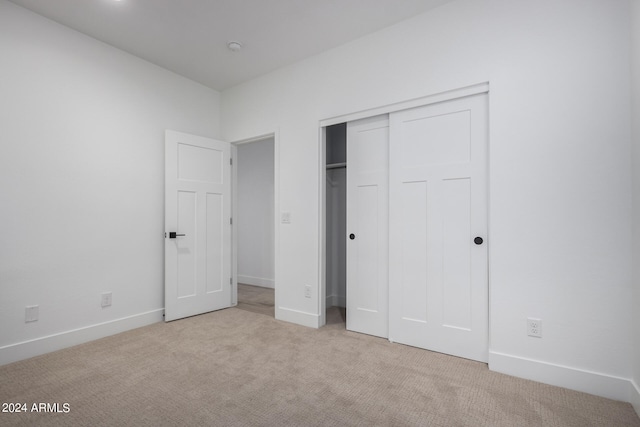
(234,46)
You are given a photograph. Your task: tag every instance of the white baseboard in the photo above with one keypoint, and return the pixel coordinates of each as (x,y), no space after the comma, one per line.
(603,385)
(336,301)
(634,396)
(26,349)
(298,317)
(256,281)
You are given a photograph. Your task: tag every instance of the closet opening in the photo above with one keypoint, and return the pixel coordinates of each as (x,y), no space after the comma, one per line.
(336,223)
(408,262)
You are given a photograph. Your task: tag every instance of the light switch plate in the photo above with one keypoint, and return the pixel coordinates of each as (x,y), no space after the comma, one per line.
(105,299)
(31,313)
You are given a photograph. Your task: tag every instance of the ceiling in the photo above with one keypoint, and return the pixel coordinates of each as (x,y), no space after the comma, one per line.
(189,37)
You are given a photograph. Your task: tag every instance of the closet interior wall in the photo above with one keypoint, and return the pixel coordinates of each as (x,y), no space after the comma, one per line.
(336,215)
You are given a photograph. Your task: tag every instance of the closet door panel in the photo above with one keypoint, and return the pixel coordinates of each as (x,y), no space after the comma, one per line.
(438,206)
(367,226)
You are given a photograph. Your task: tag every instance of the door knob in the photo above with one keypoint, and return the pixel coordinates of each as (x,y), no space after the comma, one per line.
(478,240)
(173,235)
(352,236)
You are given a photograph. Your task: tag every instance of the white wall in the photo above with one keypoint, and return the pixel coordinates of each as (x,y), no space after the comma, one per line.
(255,217)
(560,175)
(82,182)
(635,82)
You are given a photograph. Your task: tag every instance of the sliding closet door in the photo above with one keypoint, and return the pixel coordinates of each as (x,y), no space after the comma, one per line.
(438,227)
(367,226)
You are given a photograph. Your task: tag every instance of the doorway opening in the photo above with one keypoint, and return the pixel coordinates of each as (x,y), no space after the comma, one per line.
(254,222)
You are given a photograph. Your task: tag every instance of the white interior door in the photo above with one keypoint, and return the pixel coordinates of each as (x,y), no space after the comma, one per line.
(197,225)
(367,226)
(438,206)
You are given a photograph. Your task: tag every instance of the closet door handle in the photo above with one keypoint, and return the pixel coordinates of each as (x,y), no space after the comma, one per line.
(352,236)
(173,235)
(478,240)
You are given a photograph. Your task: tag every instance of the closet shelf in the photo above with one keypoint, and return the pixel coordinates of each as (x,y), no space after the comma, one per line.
(337,165)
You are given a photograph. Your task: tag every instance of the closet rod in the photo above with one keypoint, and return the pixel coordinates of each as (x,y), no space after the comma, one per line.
(337,165)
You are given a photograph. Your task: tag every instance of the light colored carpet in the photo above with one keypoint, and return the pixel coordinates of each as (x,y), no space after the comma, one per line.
(234,367)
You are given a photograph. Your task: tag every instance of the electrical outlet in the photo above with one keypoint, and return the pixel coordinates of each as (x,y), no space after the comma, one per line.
(307,291)
(534,327)
(31,313)
(105,300)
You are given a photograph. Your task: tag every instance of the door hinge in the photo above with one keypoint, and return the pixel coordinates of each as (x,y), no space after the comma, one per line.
(231,281)
(230,161)
(231,221)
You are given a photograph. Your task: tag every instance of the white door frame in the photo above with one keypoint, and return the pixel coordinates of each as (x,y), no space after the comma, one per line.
(276,207)
(322,229)
(387,109)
